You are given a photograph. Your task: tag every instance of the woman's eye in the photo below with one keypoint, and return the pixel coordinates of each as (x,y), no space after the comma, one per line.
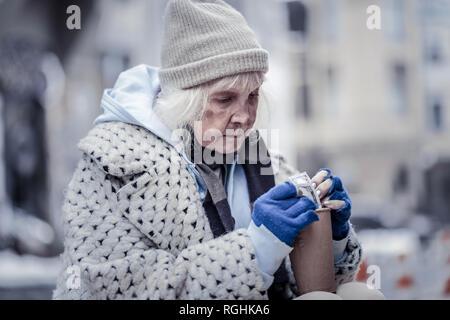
(224,100)
(253,96)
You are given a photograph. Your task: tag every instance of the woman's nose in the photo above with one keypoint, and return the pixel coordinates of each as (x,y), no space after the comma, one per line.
(241,116)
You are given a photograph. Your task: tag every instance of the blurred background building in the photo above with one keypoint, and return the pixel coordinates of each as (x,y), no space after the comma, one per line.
(372,105)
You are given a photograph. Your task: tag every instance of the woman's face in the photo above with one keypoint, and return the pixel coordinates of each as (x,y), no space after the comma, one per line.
(227,120)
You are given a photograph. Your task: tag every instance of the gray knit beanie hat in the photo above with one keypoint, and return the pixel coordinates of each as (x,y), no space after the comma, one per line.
(205,40)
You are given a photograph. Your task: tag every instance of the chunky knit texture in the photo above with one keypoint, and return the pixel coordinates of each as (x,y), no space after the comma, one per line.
(136,229)
(205,40)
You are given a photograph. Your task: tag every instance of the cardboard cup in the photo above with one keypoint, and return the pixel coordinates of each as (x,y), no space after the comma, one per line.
(312,257)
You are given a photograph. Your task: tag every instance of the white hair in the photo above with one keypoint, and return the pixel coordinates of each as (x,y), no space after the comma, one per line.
(179,108)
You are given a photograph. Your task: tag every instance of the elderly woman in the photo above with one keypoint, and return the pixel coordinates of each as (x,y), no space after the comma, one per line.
(149,216)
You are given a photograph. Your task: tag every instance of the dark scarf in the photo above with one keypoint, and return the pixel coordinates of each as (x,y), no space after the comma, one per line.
(253,157)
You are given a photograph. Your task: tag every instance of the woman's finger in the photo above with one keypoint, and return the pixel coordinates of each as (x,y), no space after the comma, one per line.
(283,191)
(319,177)
(334,204)
(303,204)
(323,188)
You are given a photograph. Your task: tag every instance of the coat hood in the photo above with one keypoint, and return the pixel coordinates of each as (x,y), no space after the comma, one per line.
(131,100)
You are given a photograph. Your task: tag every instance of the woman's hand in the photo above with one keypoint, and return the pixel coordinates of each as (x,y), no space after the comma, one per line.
(332,194)
(283,213)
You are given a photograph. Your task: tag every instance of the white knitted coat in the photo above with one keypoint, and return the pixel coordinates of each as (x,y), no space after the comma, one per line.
(135,227)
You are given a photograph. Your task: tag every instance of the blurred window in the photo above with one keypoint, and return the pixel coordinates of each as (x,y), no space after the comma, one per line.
(331,20)
(437,188)
(395,19)
(433,49)
(297,16)
(302,102)
(398,89)
(435,113)
(401,180)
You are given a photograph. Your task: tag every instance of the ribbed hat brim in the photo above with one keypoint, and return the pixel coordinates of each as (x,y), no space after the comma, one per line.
(198,72)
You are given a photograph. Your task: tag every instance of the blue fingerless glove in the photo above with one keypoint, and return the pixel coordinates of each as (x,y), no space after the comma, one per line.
(339,218)
(285,215)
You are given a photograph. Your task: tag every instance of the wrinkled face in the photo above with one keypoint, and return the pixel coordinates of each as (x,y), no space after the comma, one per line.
(228,119)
